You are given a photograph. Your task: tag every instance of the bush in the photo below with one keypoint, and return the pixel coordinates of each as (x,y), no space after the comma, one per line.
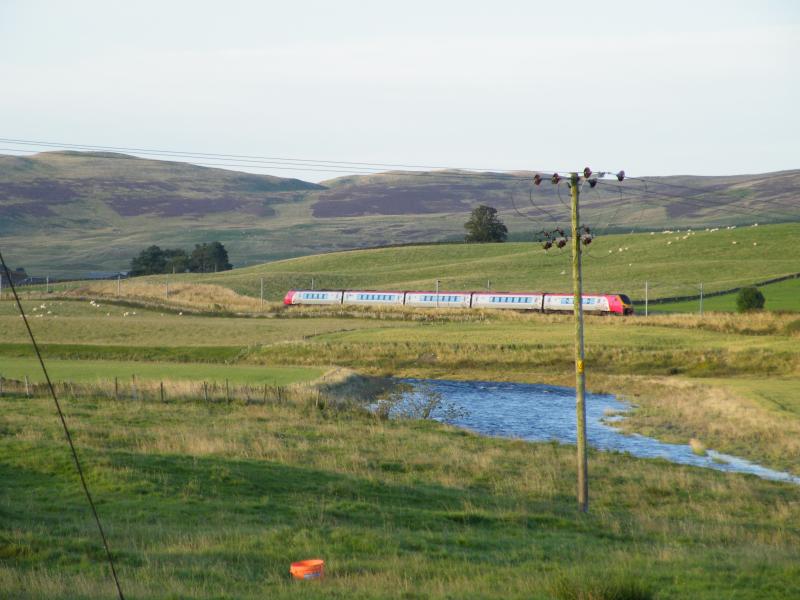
(612,586)
(749,298)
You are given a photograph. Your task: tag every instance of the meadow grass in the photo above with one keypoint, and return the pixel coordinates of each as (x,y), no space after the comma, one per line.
(78,322)
(106,370)
(660,362)
(673,265)
(781,296)
(215,501)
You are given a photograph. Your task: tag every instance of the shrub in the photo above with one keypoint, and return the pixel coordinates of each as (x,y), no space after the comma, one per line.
(749,298)
(613,586)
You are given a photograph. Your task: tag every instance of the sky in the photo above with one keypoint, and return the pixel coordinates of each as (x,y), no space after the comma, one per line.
(684,87)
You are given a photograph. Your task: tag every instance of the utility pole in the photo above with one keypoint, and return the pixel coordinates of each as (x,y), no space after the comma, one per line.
(581,234)
(437,293)
(580,375)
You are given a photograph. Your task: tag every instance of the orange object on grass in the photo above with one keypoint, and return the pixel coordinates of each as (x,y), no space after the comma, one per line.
(308,569)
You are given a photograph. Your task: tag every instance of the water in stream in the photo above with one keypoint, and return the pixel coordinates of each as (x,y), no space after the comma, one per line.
(544,412)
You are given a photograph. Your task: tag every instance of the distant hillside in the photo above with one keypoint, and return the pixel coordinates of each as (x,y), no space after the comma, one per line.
(65,184)
(68,213)
(659,201)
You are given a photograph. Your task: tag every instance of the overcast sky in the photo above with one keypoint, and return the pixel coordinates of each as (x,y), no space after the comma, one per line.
(695,87)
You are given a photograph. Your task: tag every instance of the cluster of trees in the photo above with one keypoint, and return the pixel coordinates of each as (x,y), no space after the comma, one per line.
(484,226)
(205,258)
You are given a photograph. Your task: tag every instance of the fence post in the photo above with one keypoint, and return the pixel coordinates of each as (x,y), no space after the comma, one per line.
(262,294)
(645,298)
(116,388)
(27,388)
(265,391)
(162,391)
(701,298)
(1,386)
(227,392)
(205,391)
(133,386)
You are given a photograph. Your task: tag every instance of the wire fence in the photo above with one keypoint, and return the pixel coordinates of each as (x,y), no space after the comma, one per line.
(145,390)
(261,294)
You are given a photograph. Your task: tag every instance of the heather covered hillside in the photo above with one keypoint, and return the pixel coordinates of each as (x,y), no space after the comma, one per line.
(69,213)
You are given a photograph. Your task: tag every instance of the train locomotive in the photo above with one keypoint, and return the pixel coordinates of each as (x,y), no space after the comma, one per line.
(615,304)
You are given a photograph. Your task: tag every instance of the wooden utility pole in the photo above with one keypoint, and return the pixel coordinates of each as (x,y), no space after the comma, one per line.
(580,376)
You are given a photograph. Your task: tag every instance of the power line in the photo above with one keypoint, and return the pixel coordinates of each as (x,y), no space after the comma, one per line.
(267,163)
(318,164)
(64,425)
(509,176)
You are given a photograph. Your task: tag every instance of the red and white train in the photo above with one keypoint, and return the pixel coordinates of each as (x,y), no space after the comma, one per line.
(618,304)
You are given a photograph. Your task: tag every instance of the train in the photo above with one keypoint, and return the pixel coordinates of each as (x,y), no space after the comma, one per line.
(612,304)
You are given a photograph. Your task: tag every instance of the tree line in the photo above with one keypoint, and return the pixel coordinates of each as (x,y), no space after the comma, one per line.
(205,258)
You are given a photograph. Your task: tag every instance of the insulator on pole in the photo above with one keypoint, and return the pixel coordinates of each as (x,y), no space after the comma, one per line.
(561,242)
(587,172)
(537,179)
(586,238)
(547,245)
(555,178)
(592,182)
(620,175)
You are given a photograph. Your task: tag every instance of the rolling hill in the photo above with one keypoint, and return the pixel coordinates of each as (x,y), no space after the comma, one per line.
(673,265)
(68,213)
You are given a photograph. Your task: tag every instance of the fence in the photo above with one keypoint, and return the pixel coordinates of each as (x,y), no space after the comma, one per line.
(700,295)
(134,389)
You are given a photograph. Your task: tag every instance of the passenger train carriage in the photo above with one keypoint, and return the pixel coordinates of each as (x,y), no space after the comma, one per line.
(618,304)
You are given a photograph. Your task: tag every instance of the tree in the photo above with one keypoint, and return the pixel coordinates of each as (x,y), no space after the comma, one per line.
(209,258)
(177,260)
(749,298)
(150,261)
(484,226)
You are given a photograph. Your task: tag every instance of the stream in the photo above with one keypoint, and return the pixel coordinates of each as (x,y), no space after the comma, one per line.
(540,413)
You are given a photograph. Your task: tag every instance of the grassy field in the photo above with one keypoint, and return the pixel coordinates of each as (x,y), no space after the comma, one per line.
(107,370)
(784,296)
(672,265)
(214,499)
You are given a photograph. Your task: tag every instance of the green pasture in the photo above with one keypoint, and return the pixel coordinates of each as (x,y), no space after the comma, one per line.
(102,371)
(214,501)
(78,322)
(673,265)
(783,296)
(211,500)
